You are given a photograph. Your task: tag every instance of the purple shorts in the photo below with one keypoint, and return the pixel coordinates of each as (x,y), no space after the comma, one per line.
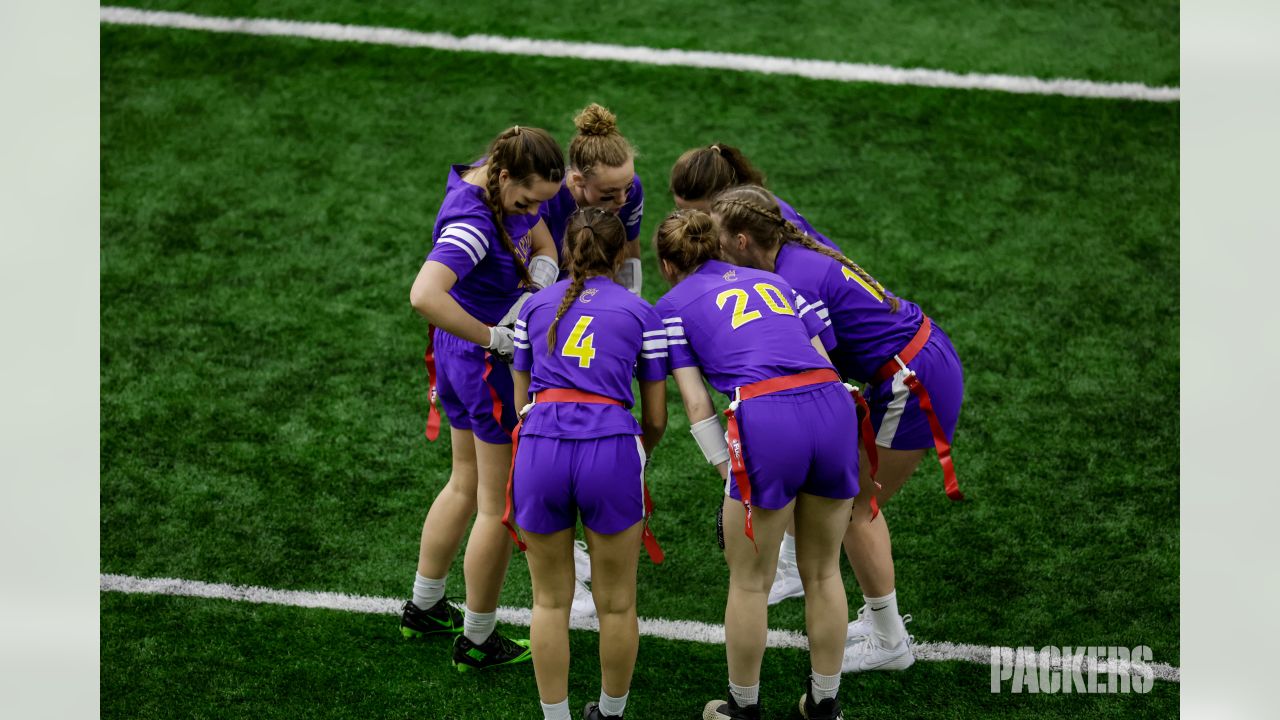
(464,393)
(556,479)
(799,441)
(899,422)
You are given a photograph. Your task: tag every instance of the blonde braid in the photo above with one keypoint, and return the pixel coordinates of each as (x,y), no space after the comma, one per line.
(570,294)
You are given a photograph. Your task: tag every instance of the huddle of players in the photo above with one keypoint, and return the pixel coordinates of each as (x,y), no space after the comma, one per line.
(531,264)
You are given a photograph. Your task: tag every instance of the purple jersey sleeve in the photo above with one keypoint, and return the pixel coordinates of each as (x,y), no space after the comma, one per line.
(816,320)
(462,243)
(679,352)
(654,363)
(523,360)
(632,213)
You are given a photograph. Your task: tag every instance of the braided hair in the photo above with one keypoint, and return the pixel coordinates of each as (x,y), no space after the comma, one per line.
(702,172)
(596,238)
(687,239)
(525,153)
(752,210)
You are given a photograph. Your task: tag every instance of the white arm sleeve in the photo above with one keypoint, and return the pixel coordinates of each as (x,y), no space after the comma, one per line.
(629,275)
(543,270)
(710,438)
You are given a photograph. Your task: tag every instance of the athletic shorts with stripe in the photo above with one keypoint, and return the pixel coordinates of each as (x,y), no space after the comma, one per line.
(800,440)
(465,395)
(899,422)
(556,479)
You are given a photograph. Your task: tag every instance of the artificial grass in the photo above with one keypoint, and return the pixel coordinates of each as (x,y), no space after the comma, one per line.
(1101,40)
(217,659)
(267,202)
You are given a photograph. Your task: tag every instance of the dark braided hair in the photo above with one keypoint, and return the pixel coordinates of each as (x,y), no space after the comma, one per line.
(687,239)
(525,153)
(596,238)
(752,210)
(702,172)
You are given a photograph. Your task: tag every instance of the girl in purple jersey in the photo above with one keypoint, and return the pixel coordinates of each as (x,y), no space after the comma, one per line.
(915,392)
(580,453)
(759,342)
(602,173)
(702,172)
(476,271)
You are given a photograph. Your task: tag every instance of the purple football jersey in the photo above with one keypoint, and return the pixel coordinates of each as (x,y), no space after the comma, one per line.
(789,213)
(467,241)
(605,337)
(866,334)
(740,326)
(557,211)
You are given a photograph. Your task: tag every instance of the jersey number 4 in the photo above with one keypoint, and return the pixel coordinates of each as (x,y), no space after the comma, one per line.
(771,295)
(578,344)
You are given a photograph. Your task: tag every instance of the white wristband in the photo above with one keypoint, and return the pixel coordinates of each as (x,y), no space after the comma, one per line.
(543,270)
(630,276)
(710,438)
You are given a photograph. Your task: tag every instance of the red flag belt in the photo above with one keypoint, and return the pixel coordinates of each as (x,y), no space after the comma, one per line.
(578,396)
(899,363)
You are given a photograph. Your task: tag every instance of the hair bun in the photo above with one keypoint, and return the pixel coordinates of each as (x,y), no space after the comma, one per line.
(595,119)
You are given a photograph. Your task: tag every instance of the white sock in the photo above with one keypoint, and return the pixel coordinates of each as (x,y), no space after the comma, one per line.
(612,706)
(557,711)
(745,695)
(788,553)
(885,622)
(427,591)
(823,686)
(478,626)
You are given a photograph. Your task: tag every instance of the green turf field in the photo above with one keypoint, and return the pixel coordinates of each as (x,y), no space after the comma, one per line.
(267,202)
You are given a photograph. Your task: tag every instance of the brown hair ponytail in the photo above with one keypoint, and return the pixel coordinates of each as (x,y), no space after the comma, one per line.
(596,238)
(687,239)
(598,141)
(525,153)
(753,211)
(702,172)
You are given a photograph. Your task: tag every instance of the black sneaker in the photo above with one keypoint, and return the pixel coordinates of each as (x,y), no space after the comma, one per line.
(497,651)
(441,619)
(592,712)
(828,709)
(729,710)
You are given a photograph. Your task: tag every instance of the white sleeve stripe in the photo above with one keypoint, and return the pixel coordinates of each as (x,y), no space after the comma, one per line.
(677,342)
(805,310)
(451,241)
(480,249)
(823,314)
(673,321)
(521,335)
(675,331)
(520,323)
(471,230)
(655,333)
(653,356)
(522,346)
(655,344)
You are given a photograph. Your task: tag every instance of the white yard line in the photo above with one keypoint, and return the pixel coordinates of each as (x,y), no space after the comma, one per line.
(687,630)
(813,69)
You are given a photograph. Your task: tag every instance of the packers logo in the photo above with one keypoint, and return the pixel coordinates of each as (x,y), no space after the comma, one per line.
(587,294)
(731,275)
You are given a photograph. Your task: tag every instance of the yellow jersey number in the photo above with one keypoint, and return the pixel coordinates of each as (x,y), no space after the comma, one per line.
(772,297)
(876,290)
(578,344)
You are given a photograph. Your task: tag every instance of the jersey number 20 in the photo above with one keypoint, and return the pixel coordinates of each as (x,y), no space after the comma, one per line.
(771,295)
(578,344)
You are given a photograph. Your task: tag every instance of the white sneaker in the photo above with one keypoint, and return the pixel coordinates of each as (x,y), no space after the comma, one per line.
(581,561)
(583,604)
(860,627)
(786,583)
(869,654)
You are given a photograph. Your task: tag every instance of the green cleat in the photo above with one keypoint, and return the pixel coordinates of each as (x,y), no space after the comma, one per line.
(497,651)
(441,619)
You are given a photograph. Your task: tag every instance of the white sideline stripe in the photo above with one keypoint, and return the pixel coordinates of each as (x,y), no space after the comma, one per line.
(688,630)
(812,69)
